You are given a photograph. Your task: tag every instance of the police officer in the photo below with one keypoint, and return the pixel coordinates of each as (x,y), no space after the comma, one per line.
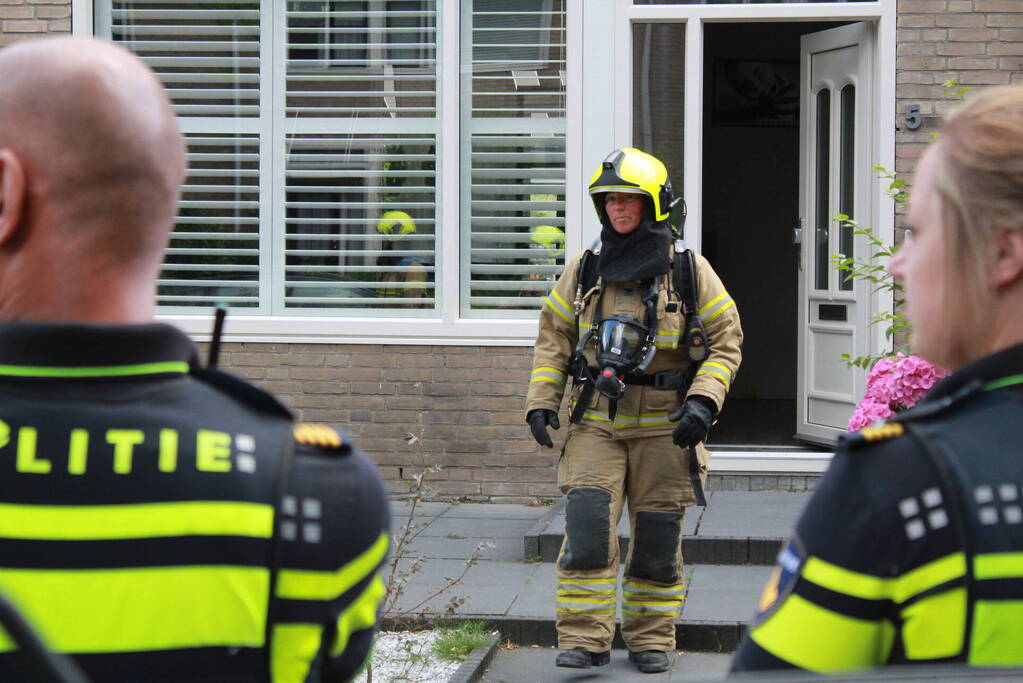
(636,401)
(911,548)
(404,277)
(159,519)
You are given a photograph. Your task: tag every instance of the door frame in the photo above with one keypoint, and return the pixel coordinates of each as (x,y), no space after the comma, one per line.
(881,13)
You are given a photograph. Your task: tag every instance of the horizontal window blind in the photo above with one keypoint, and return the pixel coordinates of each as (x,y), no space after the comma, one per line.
(513,145)
(205,53)
(214,252)
(364,59)
(361,229)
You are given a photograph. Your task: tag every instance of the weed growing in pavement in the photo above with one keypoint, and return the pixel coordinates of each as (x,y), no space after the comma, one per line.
(457,641)
(404,564)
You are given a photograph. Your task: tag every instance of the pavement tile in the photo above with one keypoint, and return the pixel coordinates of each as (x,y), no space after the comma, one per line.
(536,665)
(444,548)
(760,514)
(402,508)
(460,527)
(497,511)
(724,593)
(489,587)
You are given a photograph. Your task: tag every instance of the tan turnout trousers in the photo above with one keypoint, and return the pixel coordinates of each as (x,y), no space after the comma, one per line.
(599,474)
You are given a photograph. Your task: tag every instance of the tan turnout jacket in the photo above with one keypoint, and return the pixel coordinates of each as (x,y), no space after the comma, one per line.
(644,410)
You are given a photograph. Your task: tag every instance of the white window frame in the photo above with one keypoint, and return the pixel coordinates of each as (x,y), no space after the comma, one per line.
(880,12)
(445,326)
(594,128)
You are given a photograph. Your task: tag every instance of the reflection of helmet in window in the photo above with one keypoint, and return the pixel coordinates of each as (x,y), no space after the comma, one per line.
(395,224)
(549,237)
(631,170)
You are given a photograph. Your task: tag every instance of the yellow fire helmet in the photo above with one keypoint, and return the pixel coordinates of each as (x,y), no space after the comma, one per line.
(549,237)
(395,224)
(631,170)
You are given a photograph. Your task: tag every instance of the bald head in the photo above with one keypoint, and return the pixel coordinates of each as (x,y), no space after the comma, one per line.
(99,149)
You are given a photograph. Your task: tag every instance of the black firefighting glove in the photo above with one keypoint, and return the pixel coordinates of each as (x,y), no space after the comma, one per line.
(695,416)
(538,420)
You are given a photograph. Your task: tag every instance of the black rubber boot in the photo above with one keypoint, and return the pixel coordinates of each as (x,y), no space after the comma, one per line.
(650,661)
(581,658)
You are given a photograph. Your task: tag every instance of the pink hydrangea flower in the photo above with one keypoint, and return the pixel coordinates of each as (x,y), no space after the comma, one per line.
(894,384)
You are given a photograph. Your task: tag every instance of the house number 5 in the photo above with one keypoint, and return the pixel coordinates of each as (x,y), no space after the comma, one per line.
(913,118)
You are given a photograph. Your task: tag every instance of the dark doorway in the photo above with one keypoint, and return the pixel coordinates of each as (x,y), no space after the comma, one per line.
(750,207)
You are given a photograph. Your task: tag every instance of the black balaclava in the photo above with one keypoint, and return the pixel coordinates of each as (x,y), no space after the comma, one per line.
(640,255)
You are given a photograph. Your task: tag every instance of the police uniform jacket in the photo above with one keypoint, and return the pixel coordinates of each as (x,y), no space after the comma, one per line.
(644,410)
(161,521)
(911,548)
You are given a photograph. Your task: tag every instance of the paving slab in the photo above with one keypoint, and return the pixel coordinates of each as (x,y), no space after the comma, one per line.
(461,527)
(507,549)
(724,593)
(497,511)
(752,514)
(488,587)
(536,665)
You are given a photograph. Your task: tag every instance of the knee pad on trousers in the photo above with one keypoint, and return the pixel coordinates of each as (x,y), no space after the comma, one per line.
(587,529)
(654,547)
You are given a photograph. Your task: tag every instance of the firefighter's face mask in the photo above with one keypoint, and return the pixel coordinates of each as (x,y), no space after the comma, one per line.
(624,346)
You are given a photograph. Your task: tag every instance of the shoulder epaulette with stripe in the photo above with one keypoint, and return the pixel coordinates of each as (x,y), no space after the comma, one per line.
(318,435)
(876,432)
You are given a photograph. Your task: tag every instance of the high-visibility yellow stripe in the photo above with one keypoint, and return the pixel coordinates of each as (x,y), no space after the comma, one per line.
(545,374)
(998,566)
(846,581)
(710,367)
(583,610)
(136,520)
(177,367)
(585,581)
(306,584)
(652,603)
(587,600)
(933,627)
(713,302)
(724,307)
(869,587)
(818,639)
(294,647)
(136,609)
(558,306)
(360,615)
(928,576)
(997,633)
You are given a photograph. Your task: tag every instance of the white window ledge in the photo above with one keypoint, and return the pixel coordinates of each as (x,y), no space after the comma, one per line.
(333,330)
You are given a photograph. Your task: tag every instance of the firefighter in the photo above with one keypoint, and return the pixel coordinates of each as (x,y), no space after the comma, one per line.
(404,277)
(911,548)
(615,326)
(160,518)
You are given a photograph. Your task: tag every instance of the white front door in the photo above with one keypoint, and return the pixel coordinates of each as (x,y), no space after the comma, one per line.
(835,172)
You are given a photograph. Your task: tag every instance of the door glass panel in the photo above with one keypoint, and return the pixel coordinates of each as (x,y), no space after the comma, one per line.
(658,78)
(847,181)
(822,182)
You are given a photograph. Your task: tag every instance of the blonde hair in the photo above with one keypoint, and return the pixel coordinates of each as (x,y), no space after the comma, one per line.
(979,182)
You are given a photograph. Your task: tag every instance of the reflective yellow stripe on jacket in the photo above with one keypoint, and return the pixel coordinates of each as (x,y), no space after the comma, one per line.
(560,307)
(548,374)
(716,306)
(293,643)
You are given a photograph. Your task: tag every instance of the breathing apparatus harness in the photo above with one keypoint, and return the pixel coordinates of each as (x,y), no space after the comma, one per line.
(625,347)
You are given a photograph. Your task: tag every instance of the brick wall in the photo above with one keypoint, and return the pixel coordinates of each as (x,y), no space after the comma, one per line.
(20,19)
(414,407)
(980,42)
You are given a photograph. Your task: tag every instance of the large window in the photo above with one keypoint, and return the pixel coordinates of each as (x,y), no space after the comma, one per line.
(314,132)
